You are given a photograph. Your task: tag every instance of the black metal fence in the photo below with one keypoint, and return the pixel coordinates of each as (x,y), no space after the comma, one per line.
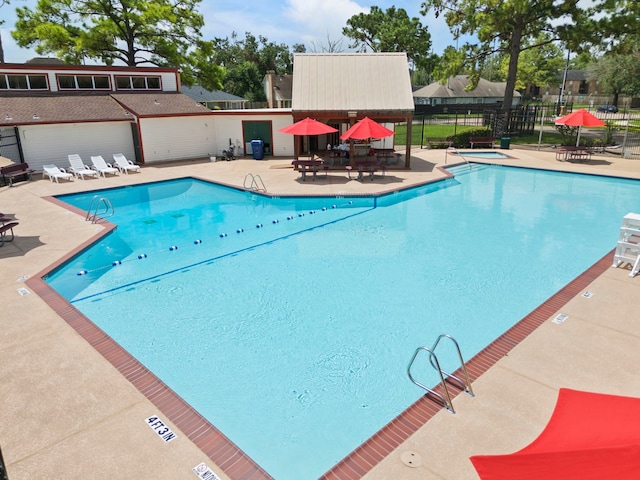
(10,146)
(521,120)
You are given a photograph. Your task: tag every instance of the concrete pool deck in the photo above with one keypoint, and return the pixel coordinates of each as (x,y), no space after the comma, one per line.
(65,410)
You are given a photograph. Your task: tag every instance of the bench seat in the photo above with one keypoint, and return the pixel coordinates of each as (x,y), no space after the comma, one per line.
(9,172)
(482,141)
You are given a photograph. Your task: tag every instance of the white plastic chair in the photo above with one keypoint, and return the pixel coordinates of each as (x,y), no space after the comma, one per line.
(103,167)
(55,173)
(79,168)
(125,165)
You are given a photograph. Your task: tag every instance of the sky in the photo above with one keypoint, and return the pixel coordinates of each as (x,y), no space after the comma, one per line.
(309,22)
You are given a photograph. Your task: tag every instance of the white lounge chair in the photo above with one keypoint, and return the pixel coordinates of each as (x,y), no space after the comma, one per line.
(125,165)
(79,168)
(55,173)
(103,167)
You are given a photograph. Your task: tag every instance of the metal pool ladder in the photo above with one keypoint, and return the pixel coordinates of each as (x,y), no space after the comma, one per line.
(256,184)
(444,375)
(99,209)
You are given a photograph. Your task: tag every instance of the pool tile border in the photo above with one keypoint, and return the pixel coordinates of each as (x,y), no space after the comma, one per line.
(376,448)
(222,451)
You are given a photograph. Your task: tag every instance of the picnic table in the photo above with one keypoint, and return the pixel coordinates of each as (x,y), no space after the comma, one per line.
(369,165)
(304,166)
(579,153)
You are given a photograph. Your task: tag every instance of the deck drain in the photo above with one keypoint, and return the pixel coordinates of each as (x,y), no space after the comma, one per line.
(560,318)
(411,459)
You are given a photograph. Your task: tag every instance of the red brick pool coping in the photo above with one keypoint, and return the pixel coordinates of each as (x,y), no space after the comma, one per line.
(231,459)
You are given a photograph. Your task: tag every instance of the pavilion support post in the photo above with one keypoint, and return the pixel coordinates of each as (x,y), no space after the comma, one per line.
(407,156)
(353,116)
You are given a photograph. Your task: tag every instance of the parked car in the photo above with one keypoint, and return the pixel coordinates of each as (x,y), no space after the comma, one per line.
(608,108)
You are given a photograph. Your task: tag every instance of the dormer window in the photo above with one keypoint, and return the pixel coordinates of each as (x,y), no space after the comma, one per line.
(23,82)
(137,82)
(84,82)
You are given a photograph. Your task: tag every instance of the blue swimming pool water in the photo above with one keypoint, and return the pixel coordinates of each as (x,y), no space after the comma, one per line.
(295,336)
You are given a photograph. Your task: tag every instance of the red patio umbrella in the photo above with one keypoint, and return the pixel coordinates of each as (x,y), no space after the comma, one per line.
(580,118)
(308,126)
(366,128)
(590,436)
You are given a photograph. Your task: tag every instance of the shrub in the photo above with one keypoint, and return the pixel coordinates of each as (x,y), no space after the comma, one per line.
(569,134)
(461,140)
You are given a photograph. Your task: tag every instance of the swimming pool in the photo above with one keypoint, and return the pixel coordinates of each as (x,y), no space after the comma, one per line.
(298,332)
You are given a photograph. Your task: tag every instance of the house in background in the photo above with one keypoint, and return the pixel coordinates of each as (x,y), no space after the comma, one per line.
(454,92)
(578,87)
(278,89)
(214,99)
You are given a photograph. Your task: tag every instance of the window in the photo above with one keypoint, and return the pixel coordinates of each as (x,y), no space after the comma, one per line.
(84,82)
(37,82)
(66,82)
(583,89)
(101,82)
(138,83)
(23,82)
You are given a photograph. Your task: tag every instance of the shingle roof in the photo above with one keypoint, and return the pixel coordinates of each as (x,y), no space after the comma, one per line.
(455,88)
(362,82)
(160,104)
(18,109)
(32,108)
(201,94)
(574,75)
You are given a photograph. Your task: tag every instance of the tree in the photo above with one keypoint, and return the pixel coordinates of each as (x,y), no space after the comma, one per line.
(2,4)
(332,46)
(246,62)
(537,67)
(200,67)
(390,31)
(504,27)
(618,74)
(614,21)
(133,32)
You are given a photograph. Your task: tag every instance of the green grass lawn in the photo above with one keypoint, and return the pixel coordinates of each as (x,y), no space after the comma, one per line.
(433,131)
(442,131)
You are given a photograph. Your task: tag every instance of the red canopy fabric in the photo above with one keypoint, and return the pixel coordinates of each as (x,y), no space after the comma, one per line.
(590,436)
(580,118)
(308,126)
(366,128)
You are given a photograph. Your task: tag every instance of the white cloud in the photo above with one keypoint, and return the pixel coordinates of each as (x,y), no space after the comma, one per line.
(318,21)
